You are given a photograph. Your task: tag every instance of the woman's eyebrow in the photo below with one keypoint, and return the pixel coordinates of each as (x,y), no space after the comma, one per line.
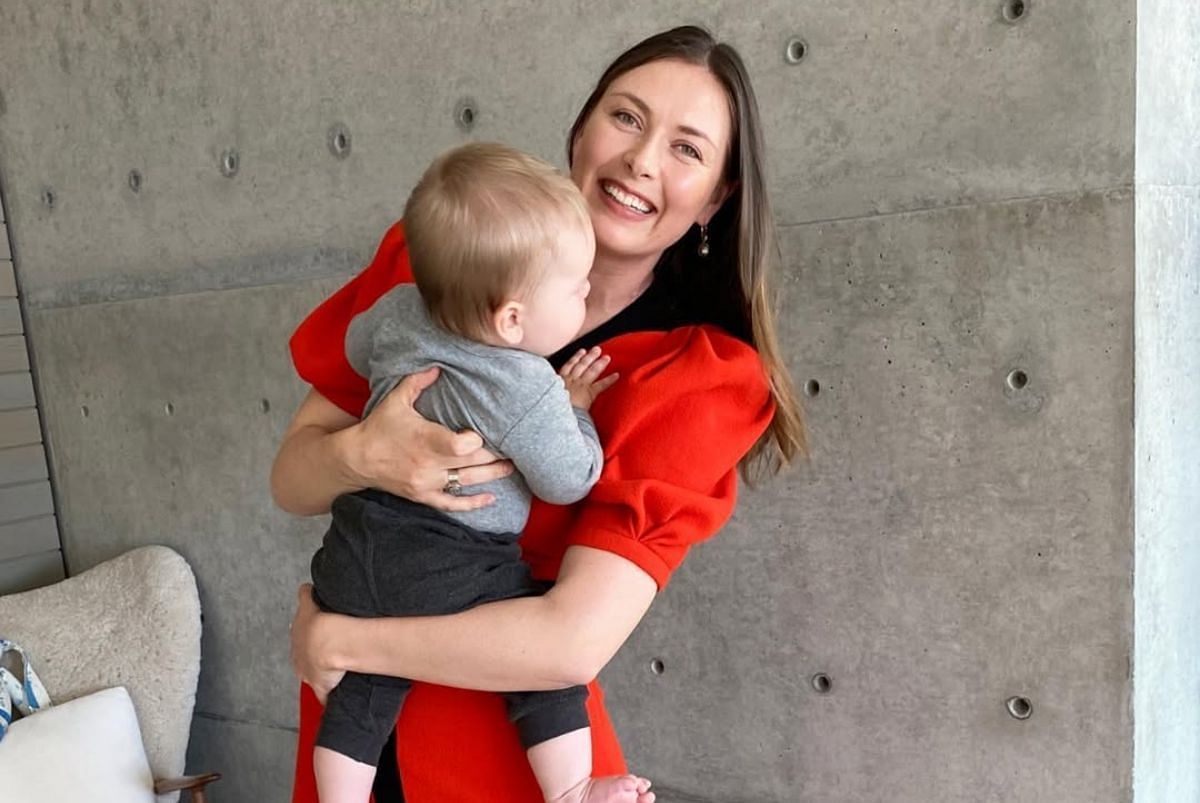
(636,101)
(695,132)
(645,110)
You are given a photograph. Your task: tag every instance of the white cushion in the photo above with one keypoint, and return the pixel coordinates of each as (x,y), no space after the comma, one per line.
(89,748)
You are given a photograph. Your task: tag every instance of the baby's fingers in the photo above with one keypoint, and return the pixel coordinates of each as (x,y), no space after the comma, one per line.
(591,371)
(582,362)
(604,384)
(588,360)
(569,366)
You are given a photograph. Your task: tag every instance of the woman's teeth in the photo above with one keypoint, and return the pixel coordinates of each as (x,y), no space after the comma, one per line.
(624,198)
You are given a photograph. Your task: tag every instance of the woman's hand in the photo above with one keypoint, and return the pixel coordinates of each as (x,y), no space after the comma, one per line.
(405,454)
(309,657)
(326,452)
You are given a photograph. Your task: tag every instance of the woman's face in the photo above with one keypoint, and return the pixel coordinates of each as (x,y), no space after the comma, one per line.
(651,156)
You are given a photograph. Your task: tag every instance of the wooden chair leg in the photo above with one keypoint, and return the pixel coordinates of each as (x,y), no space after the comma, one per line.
(193,783)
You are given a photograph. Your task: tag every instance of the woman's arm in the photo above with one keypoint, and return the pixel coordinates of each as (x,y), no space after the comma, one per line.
(561,639)
(326,452)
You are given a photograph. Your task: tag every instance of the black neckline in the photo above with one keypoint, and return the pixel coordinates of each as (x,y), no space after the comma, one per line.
(653,311)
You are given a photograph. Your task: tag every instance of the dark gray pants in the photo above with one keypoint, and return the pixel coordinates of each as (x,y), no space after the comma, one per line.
(387,556)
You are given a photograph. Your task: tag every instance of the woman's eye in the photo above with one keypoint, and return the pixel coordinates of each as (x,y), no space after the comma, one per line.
(689,150)
(625,117)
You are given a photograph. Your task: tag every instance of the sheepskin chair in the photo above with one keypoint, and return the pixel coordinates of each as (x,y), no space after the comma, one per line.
(133,621)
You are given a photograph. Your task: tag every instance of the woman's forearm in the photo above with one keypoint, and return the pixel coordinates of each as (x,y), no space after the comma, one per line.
(533,643)
(462,650)
(312,468)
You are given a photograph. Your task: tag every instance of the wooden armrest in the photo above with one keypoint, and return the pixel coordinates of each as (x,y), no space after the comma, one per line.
(195,783)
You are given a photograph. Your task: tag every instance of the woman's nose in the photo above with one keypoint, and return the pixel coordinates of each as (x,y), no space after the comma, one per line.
(640,158)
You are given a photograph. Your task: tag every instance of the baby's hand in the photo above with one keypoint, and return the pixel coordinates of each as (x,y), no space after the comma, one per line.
(581,376)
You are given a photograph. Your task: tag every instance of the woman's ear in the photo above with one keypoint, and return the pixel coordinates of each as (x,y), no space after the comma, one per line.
(720,195)
(508,323)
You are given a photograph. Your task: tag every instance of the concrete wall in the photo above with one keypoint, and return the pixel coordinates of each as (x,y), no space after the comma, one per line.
(956,198)
(1167,676)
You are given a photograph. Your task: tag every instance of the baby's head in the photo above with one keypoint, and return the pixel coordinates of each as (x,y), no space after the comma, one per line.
(501,245)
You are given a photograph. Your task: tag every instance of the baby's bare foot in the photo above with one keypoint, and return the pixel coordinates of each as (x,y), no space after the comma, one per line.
(614,789)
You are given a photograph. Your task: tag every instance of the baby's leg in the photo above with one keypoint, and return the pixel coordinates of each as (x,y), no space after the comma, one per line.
(341,779)
(563,768)
(359,715)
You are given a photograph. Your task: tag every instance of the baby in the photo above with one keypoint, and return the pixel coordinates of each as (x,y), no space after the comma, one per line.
(501,245)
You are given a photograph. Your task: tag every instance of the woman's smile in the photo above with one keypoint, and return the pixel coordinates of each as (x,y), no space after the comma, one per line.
(626,202)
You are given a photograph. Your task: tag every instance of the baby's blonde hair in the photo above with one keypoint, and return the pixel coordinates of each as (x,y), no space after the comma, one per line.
(479,225)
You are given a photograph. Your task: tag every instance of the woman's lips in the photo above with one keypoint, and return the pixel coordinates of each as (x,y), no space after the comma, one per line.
(625,202)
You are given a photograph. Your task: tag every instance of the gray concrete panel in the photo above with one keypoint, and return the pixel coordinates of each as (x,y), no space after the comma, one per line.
(896,106)
(255,760)
(953,542)
(1167,661)
(186,399)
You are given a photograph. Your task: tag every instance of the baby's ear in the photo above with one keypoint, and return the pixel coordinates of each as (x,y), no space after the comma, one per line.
(508,323)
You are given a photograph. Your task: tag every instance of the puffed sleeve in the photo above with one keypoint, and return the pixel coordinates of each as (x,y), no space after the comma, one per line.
(689,405)
(318,345)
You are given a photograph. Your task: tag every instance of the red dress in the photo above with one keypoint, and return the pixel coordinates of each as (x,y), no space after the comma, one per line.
(689,405)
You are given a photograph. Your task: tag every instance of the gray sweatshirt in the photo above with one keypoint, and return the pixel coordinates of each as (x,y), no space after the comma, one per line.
(513,399)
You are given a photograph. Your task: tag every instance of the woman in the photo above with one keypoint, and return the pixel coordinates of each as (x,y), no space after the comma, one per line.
(668,154)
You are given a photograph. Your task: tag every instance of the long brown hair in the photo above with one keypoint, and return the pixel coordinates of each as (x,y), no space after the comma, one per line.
(741,233)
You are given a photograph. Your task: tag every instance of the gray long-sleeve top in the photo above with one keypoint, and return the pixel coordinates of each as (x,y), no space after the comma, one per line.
(513,399)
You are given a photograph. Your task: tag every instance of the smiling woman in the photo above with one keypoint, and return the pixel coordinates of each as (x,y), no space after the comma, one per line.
(667,152)
(682,95)
(652,154)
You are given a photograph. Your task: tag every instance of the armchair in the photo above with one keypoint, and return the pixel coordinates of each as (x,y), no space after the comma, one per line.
(133,621)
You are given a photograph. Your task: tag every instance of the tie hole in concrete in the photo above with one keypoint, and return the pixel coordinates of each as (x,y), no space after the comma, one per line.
(339,141)
(795,50)
(135,180)
(1019,707)
(264,406)
(811,388)
(1017,379)
(466,113)
(230,163)
(1014,10)
(169,408)
(657,666)
(822,683)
